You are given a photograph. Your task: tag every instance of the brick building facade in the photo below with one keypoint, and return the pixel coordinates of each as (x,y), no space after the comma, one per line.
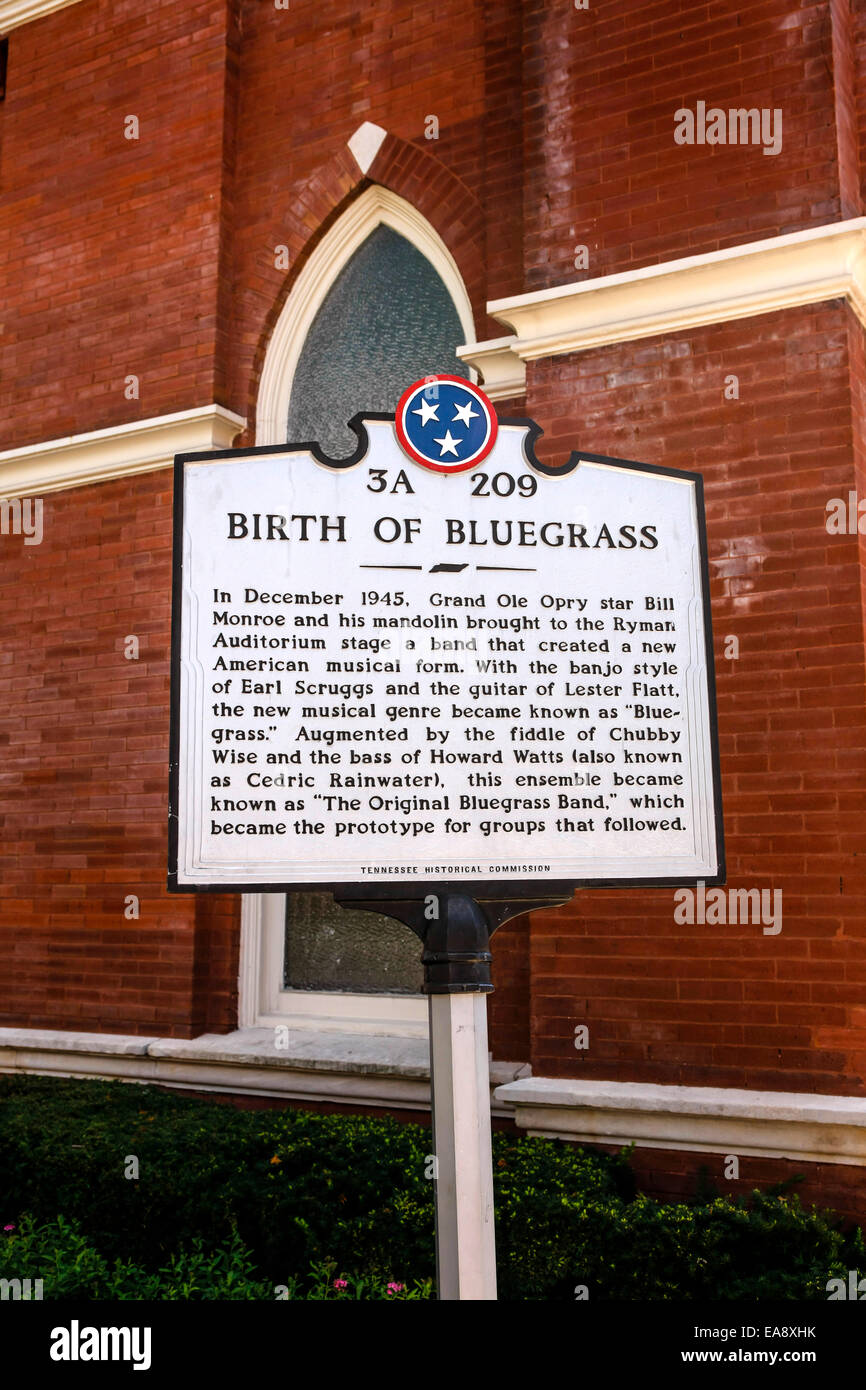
(179,183)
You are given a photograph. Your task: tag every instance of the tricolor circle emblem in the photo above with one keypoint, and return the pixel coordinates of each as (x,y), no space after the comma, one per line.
(445,423)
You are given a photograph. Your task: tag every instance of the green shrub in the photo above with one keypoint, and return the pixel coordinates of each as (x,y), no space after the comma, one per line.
(230,1204)
(297,1186)
(325,1282)
(71,1268)
(766,1248)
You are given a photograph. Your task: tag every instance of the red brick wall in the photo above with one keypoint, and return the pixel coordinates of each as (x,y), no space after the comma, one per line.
(713,1005)
(671,1174)
(84,787)
(156,257)
(601,165)
(109,261)
(845,97)
(307,83)
(510,1006)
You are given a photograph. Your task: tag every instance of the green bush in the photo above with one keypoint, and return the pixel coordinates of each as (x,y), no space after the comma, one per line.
(298,1187)
(243,1201)
(766,1248)
(71,1268)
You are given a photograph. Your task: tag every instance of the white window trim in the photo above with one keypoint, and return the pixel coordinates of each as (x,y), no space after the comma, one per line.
(366,143)
(760,277)
(98,456)
(503,374)
(14,13)
(262,1003)
(697,1119)
(377,207)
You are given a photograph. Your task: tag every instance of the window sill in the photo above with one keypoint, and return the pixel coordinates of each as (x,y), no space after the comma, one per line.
(804,1127)
(313,1065)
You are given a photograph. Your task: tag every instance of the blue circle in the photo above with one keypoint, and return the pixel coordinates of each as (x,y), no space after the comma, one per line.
(446,423)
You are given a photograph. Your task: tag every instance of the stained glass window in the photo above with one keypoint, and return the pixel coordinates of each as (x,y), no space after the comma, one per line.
(386,321)
(334,949)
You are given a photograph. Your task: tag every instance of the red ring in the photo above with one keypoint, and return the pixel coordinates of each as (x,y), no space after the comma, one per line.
(409,448)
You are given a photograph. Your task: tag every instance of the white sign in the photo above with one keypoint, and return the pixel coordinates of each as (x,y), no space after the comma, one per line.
(386,674)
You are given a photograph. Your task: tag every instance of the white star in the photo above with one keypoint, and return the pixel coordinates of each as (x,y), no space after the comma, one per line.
(464,413)
(449,444)
(427,412)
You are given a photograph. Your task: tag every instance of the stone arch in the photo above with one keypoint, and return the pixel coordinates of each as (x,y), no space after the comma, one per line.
(403,187)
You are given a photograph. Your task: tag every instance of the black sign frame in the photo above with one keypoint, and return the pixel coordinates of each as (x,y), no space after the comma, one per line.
(514,894)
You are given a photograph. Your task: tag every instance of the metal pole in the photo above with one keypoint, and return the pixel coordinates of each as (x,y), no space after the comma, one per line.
(457,979)
(465,1246)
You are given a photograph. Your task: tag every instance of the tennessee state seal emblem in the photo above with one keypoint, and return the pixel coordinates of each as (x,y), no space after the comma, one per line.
(445,423)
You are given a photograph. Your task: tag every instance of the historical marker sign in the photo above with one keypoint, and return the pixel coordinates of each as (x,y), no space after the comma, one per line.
(440,662)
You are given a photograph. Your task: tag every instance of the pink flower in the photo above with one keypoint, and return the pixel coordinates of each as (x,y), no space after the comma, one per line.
(396,1288)
(9,1228)
(341,1284)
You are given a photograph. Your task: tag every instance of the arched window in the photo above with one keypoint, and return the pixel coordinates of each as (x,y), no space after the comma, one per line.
(386,321)
(378,305)
(379,302)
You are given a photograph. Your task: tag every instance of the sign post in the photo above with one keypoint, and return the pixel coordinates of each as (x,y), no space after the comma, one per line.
(457,980)
(449,683)
(460,1072)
